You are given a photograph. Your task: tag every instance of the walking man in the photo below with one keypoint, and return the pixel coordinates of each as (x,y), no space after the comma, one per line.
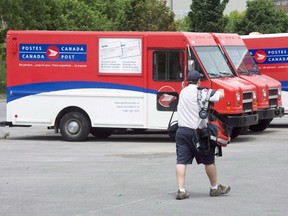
(187,139)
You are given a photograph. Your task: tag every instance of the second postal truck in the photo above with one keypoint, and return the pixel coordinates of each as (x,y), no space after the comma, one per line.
(82,83)
(270,52)
(268,89)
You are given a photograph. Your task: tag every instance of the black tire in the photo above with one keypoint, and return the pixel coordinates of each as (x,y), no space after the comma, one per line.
(236,131)
(261,126)
(101,132)
(74,126)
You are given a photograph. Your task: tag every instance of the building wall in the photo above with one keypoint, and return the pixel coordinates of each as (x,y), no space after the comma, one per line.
(182,7)
(281,4)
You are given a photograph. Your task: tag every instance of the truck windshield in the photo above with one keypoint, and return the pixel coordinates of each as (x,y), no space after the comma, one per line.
(214,62)
(242,60)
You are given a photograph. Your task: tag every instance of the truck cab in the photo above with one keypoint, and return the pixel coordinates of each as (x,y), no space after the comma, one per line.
(239,107)
(268,89)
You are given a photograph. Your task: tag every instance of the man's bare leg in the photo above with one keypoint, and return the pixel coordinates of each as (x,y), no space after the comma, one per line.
(180,175)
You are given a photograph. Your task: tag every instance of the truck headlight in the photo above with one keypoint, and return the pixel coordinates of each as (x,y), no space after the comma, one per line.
(264,93)
(254,97)
(238,98)
(279,92)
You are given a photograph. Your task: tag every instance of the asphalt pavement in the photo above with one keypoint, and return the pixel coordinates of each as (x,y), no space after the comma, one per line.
(134,175)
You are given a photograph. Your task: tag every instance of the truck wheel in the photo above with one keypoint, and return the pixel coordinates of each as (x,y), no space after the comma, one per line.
(261,126)
(236,131)
(101,132)
(74,126)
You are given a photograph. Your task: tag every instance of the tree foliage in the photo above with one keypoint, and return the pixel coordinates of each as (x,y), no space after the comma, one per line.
(28,14)
(54,15)
(76,15)
(2,68)
(261,16)
(207,15)
(234,19)
(109,8)
(100,15)
(85,15)
(183,24)
(146,15)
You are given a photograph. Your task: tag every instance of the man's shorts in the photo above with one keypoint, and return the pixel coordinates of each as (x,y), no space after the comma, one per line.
(186,142)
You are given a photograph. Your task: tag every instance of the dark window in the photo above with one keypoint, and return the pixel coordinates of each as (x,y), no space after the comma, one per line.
(168,65)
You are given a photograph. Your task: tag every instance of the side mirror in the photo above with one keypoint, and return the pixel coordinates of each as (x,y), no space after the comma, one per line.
(191,65)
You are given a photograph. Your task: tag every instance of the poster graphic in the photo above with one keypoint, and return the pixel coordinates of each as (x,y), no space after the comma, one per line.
(120,55)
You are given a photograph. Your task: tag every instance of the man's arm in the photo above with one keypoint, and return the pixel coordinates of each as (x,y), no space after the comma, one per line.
(217,95)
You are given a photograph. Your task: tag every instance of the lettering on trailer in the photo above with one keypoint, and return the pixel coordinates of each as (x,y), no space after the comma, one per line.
(55,52)
(270,56)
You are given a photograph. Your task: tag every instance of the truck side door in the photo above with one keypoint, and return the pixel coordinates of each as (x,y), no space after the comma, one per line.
(165,75)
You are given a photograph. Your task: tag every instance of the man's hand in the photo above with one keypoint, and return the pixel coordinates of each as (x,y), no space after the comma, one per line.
(221,93)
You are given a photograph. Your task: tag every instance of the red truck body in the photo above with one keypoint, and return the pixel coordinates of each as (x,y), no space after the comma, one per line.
(96,82)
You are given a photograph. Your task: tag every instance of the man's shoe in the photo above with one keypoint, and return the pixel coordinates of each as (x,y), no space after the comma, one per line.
(182,195)
(220,190)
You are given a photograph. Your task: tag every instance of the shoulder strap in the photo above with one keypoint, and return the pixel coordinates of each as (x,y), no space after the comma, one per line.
(204,104)
(171,117)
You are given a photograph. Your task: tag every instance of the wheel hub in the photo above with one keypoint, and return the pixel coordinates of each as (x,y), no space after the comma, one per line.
(73,127)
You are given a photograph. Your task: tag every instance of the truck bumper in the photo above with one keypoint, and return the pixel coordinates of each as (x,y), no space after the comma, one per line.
(9,124)
(271,113)
(242,121)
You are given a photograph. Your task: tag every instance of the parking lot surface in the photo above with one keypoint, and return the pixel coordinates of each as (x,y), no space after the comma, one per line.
(134,175)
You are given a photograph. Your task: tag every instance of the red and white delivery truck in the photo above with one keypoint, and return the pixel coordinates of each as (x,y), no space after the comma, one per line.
(268,89)
(270,52)
(95,82)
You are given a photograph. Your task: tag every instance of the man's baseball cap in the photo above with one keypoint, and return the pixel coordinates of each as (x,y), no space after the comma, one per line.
(194,75)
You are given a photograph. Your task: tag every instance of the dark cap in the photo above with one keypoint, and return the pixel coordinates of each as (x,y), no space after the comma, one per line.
(194,75)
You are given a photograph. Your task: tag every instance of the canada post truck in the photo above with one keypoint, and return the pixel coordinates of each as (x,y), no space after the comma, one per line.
(82,83)
(268,89)
(270,52)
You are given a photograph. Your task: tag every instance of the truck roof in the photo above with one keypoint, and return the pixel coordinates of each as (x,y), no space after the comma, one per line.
(264,35)
(229,39)
(197,39)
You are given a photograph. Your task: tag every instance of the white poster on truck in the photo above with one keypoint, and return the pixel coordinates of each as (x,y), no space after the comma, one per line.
(120,55)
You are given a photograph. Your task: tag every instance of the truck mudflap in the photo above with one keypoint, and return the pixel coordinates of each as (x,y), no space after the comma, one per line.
(242,120)
(271,113)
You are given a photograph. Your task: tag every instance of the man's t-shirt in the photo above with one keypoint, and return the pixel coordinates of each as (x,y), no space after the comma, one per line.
(188,107)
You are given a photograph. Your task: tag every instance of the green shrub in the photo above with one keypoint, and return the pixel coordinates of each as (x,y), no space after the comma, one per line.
(2,69)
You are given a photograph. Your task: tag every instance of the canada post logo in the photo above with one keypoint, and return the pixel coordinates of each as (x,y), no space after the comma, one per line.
(56,52)
(270,56)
